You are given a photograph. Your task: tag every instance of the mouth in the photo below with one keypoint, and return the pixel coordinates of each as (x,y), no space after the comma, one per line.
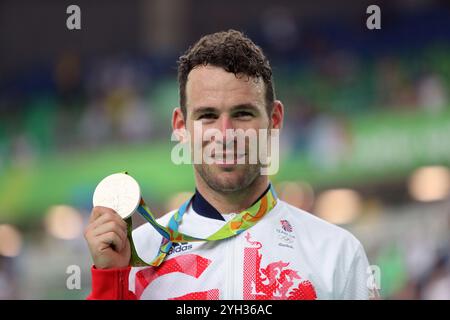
(227,159)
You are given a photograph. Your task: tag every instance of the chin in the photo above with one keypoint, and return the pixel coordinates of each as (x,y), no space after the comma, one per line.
(228,178)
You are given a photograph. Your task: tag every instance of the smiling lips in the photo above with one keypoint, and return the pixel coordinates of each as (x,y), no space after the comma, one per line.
(227,158)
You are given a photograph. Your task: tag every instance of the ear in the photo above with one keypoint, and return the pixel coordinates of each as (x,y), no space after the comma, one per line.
(179,124)
(277,115)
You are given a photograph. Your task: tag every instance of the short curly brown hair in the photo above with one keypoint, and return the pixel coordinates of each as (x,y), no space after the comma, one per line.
(232,51)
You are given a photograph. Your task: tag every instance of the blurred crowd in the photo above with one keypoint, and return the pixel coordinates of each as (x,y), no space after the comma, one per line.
(320,75)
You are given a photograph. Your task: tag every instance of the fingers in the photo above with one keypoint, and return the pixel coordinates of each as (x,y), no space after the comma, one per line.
(99,211)
(106,236)
(101,215)
(109,217)
(108,227)
(110,239)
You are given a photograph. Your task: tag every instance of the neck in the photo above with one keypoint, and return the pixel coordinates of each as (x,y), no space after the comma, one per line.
(229,202)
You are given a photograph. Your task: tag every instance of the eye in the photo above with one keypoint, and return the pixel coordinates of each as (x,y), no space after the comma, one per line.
(207,116)
(243,114)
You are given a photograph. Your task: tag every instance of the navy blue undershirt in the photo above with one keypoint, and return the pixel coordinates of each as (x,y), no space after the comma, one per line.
(204,208)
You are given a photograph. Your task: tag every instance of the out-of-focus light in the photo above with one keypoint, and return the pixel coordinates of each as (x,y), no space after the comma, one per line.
(177,200)
(430,183)
(298,194)
(64,222)
(10,241)
(339,206)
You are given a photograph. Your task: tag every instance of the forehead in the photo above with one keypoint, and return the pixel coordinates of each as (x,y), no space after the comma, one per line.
(214,87)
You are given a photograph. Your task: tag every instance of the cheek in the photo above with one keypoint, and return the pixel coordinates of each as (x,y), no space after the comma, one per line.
(195,128)
(201,134)
(255,124)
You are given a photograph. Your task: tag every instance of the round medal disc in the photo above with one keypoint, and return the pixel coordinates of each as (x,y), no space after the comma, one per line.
(119,192)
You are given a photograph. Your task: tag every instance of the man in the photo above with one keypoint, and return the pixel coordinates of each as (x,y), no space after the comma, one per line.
(226,83)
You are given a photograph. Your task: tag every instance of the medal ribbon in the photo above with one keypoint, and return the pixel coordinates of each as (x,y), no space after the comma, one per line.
(241,222)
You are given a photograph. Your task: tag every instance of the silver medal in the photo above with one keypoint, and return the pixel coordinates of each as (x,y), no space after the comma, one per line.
(119,192)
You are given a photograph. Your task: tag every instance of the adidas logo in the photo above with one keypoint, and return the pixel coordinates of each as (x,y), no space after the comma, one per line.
(179,247)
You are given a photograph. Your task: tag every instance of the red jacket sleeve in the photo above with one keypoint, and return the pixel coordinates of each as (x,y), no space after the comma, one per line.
(110,284)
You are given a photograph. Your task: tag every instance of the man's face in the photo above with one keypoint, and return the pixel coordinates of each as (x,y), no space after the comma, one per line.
(221,101)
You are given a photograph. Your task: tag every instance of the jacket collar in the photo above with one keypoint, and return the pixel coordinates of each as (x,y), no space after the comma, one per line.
(202,207)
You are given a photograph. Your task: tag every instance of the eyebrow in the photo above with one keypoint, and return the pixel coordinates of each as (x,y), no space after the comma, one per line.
(239,107)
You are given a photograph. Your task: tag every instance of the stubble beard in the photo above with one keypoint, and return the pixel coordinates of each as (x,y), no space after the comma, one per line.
(217,181)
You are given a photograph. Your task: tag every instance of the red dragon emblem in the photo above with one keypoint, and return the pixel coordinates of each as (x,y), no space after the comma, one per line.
(275,281)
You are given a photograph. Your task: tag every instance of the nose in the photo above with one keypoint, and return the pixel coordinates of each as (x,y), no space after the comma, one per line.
(226,123)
